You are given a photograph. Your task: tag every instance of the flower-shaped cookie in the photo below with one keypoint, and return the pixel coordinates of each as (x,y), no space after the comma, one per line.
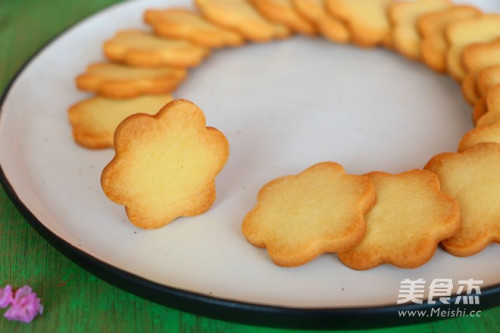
(477,57)
(242,17)
(407,223)
(431,27)
(472,177)
(144,49)
(367,20)
(283,12)
(120,81)
(165,165)
(299,217)
(488,124)
(404,17)
(330,27)
(95,120)
(481,29)
(189,25)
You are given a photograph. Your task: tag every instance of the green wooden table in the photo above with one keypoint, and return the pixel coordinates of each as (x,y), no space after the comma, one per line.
(75,300)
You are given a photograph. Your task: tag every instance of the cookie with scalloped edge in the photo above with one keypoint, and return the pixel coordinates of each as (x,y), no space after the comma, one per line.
(298,217)
(471,177)
(242,17)
(406,224)
(328,26)
(94,120)
(482,83)
(475,58)
(121,81)
(404,16)
(165,165)
(491,107)
(431,26)
(179,23)
(484,28)
(479,109)
(367,20)
(482,134)
(283,12)
(468,88)
(144,49)
(487,78)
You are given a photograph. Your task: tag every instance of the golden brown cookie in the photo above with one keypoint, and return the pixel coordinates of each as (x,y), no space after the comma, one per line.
(475,58)
(404,17)
(165,165)
(94,120)
(491,107)
(120,81)
(144,49)
(242,17)
(481,134)
(487,78)
(482,83)
(367,19)
(189,25)
(330,27)
(283,12)
(459,35)
(410,218)
(480,109)
(298,217)
(472,178)
(432,26)
(468,88)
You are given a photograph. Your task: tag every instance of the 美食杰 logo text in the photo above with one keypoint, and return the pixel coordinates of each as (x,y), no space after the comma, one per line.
(456,298)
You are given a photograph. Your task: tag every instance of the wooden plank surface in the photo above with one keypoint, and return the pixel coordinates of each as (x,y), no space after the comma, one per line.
(75,300)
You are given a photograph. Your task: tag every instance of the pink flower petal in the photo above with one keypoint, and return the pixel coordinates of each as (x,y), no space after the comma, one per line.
(22,292)
(6,296)
(24,306)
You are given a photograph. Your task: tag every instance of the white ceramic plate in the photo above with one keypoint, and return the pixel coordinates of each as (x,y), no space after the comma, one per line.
(283,106)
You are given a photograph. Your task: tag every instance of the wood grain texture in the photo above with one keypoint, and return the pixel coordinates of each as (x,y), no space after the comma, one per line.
(75,300)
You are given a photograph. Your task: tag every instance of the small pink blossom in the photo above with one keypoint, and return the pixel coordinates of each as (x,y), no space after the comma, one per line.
(6,296)
(24,306)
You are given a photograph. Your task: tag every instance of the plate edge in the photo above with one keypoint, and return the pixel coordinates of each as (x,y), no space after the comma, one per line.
(219,308)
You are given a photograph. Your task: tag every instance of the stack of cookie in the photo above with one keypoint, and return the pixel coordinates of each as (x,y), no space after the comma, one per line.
(367,219)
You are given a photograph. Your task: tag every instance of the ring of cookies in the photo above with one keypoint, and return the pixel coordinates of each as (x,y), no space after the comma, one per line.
(166,158)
